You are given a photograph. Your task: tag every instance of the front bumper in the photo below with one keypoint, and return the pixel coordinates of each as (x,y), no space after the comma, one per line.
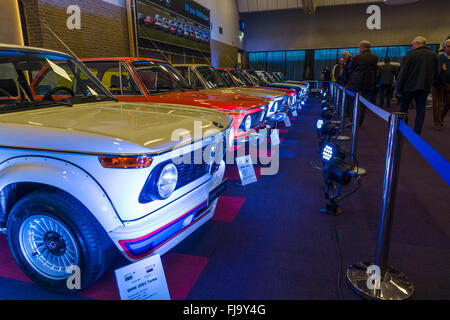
(182,217)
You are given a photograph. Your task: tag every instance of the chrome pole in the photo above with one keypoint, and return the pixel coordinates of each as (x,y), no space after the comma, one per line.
(341,137)
(357,170)
(377,280)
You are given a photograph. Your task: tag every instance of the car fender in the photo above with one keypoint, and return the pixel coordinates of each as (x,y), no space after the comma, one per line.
(65,176)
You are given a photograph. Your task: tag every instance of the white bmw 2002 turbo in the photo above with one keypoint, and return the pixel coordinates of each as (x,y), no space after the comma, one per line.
(82,174)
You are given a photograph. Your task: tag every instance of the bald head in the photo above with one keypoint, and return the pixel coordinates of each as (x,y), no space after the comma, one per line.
(418,42)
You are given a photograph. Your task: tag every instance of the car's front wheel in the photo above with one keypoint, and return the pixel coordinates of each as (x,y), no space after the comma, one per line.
(53,237)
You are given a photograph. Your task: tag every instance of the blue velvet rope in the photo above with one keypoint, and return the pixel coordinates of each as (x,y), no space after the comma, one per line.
(438,162)
(377,110)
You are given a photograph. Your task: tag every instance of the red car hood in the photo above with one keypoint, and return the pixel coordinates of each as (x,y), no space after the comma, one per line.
(208,100)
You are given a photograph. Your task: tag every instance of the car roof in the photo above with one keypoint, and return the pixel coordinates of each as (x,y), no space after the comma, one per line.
(19,47)
(191,65)
(125,59)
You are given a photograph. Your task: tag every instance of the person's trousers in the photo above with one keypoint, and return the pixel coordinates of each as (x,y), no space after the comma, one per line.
(420,97)
(385,92)
(441,104)
(371,97)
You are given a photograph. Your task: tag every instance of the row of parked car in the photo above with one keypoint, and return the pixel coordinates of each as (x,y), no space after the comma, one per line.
(175,27)
(88,160)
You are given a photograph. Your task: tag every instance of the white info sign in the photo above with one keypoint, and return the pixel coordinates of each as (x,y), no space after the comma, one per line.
(287,122)
(246,169)
(143,280)
(275,137)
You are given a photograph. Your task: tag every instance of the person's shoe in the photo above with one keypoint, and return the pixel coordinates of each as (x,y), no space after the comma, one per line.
(437,127)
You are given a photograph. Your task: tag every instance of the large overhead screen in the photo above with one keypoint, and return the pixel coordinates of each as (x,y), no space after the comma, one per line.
(180,26)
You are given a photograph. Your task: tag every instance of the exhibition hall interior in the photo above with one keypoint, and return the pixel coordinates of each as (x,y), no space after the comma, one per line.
(254,150)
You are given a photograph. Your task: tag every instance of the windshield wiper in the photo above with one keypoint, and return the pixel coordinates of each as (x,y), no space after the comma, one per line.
(88,99)
(23,105)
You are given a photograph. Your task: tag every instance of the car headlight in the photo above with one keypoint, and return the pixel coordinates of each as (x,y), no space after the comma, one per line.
(248,122)
(167,181)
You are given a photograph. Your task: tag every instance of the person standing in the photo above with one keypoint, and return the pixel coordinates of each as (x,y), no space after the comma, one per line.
(326,76)
(418,72)
(363,72)
(386,75)
(441,89)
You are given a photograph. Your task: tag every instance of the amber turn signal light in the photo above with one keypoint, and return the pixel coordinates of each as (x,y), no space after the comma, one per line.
(125,162)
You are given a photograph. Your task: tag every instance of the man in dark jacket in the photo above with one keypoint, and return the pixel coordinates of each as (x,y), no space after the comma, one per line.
(386,74)
(441,89)
(363,71)
(418,72)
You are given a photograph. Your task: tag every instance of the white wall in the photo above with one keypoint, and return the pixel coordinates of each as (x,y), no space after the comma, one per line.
(10,29)
(224,13)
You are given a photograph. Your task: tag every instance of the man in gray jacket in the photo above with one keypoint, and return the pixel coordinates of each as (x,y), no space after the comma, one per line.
(418,72)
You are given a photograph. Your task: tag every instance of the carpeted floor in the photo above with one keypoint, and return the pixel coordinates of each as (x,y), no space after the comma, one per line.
(268,240)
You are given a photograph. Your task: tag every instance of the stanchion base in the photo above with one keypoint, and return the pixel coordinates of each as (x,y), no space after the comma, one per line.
(395,286)
(343,138)
(360,172)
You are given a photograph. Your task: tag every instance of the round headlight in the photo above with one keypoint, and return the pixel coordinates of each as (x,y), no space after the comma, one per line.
(167,181)
(248,122)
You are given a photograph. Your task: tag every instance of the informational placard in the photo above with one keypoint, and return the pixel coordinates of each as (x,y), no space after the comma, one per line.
(287,122)
(246,169)
(275,137)
(143,280)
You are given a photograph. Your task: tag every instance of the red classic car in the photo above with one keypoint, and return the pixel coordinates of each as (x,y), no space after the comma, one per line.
(151,80)
(239,79)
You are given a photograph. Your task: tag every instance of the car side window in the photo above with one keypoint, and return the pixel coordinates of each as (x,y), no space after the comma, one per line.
(191,77)
(115,77)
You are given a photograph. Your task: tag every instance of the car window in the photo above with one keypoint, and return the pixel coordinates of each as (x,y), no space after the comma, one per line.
(211,77)
(227,77)
(115,77)
(191,77)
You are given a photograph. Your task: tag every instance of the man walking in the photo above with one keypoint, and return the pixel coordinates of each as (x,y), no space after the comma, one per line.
(363,71)
(418,72)
(386,75)
(441,90)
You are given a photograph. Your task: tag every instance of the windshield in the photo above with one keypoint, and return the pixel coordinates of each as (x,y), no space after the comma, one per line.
(227,77)
(29,79)
(263,77)
(253,76)
(211,77)
(160,77)
(269,77)
(240,78)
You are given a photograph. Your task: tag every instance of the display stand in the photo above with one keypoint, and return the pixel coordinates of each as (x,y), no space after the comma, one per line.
(377,280)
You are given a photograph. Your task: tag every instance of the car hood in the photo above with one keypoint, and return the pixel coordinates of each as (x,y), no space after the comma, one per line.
(109,127)
(224,101)
(262,93)
(288,85)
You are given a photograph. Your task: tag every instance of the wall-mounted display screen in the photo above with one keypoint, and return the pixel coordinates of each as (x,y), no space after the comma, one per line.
(176,25)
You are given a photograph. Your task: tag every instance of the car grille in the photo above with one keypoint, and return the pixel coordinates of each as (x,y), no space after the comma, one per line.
(258,118)
(193,170)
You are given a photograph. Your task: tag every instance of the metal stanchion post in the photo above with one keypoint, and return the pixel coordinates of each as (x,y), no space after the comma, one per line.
(377,280)
(341,137)
(359,171)
(317,85)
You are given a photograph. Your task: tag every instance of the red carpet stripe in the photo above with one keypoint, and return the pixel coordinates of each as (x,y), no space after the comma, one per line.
(228,208)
